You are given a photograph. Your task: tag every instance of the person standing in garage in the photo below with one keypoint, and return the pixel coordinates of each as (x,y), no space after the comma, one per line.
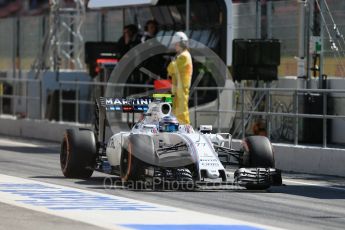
(151,30)
(180,71)
(129,39)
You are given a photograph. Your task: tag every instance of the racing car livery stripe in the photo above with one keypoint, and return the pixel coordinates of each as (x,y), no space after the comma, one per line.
(192,148)
(107,211)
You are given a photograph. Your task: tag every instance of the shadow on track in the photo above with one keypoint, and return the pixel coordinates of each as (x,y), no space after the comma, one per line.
(318,192)
(30,149)
(114,183)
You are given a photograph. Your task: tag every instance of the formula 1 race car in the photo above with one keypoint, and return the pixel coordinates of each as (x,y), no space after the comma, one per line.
(159,150)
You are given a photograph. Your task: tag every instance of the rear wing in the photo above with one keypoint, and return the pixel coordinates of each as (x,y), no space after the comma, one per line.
(120,3)
(137,105)
(132,105)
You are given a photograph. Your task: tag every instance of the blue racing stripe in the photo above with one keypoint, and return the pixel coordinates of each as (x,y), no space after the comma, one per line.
(190,227)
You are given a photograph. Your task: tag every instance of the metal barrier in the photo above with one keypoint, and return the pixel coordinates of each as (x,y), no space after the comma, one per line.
(269,113)
(17,84)
(271,98)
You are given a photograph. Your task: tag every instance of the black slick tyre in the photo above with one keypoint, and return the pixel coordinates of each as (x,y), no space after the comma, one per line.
(78,153)
(131,168)
(258,152)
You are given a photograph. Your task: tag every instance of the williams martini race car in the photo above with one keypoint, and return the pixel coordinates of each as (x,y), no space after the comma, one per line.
(159,150)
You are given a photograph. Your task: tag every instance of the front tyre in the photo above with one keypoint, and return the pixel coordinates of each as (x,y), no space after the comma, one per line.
(131,168)
(78,153)
(258,153)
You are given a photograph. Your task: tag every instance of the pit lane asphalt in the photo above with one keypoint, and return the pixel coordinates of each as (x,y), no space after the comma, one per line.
(306,202)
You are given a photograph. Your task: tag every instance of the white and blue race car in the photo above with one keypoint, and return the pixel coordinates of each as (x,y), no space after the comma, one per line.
(159,150)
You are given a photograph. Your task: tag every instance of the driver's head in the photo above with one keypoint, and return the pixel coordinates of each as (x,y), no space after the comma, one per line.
(168,124)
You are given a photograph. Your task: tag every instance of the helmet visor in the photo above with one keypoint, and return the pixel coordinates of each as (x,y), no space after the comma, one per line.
(170,127)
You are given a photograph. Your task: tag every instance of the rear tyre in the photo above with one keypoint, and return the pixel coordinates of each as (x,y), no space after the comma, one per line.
(78,153)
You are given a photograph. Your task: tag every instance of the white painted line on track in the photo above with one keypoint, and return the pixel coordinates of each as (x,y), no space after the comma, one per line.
(108,211)
(10,142)
(314,184)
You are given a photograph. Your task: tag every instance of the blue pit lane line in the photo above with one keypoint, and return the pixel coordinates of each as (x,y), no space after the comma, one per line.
(109,211)
(189,227)
(65,199)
